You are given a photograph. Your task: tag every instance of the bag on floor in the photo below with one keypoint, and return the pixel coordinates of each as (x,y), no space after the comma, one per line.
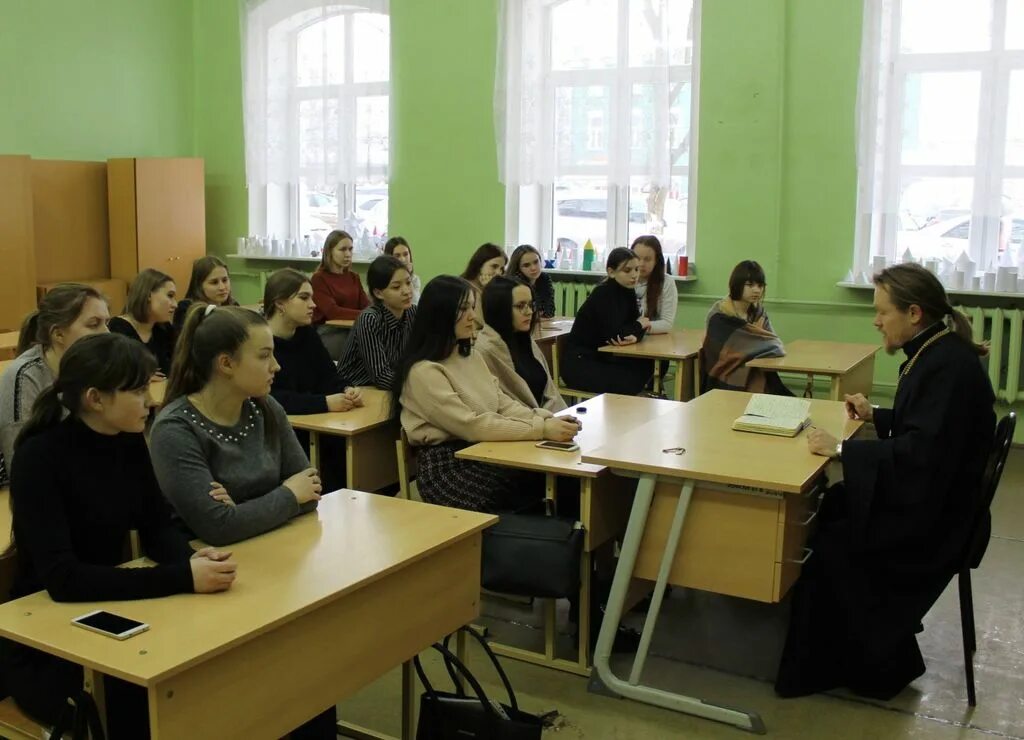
(81,717)
(532,555)
(458,715)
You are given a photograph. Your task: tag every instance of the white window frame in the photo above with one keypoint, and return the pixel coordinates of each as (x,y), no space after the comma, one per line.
(529,210)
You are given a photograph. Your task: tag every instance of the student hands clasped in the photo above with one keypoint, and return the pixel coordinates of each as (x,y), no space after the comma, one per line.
(561,428)
(305,486)
(858,407)
(623,341)
(212,570)
(352,398)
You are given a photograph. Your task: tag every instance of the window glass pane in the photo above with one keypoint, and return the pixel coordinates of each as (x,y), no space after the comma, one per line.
(584,34)
(945,25)
(318,210)
(318,133)
(659,211)
(679,116)
(1015,120)
(934,217)
(1015,24)
(680,31)
(642,134)
(320,53)
(582,125)
(372,132)
(372,37)
(940,117)
(652,30)
(1011,227)
(580,213)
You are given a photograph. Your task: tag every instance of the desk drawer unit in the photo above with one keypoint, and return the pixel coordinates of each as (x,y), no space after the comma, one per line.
(734,542)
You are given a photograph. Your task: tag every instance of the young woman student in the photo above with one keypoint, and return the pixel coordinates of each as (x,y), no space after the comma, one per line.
(148,314)
(337,291)
(306,381)
(64,315)
(655,290)
(608,316)
(399,248)
(506,345)
(487,262)
(210,284)
(381,331)
(72,519)
(448,400)
(738,330)
(527,265)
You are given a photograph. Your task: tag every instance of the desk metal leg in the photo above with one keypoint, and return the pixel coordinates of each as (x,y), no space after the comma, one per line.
(409,698)
(809,388)
(632,689)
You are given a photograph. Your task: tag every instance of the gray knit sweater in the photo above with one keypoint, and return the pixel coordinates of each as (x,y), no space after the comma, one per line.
(21,384)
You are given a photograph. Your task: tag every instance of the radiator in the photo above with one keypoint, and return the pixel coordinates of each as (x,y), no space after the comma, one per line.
(569,296)
(1002,329)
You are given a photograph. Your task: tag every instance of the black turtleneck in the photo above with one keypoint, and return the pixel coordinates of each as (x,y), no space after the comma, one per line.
(75,495)
(610,311)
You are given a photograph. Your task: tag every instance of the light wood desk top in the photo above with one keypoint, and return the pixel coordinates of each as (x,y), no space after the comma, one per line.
(341,323)
(820,358)
(679,344)
(609,417)
(375,412)
(549,330)
(157,391)
(8,344)
(717,453)
(353,540)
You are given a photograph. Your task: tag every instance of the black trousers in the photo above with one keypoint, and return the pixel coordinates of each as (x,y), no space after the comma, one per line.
(605,373)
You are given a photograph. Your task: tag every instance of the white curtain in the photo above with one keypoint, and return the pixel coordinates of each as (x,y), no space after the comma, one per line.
(277,84)
(524,106)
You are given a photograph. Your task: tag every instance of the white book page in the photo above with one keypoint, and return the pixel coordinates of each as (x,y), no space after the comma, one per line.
(778,407)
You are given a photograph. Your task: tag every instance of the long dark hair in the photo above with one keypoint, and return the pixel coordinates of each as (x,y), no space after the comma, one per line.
(206,334)
(201,270)
(912,285)
(483,253)
(57,310)
(497,308)
(747,271)
(143,286)
(518,253)
(617,257)
(281,286)
(106,362)
(656,280)
(432,336)
(380,272)
(330,243)
(399,241)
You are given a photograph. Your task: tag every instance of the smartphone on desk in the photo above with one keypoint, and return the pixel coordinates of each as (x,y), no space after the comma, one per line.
(547,444)
(111,625)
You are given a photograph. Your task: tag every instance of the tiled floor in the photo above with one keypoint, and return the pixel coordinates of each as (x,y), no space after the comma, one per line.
(744,638)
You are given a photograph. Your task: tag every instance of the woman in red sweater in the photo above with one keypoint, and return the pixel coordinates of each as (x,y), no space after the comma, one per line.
(337,291)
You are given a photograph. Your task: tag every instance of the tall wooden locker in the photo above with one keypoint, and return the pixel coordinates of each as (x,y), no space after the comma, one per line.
(157,216)
(17,241)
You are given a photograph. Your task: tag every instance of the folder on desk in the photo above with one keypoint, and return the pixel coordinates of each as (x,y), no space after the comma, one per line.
(779,415)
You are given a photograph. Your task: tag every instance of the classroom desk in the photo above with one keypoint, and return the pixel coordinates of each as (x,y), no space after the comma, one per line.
(8,344)
(730,514)
(604,498)
(341,323)
(849,367)
(680,346)
(157,391)
(548,331)
(370,433)
(321,607)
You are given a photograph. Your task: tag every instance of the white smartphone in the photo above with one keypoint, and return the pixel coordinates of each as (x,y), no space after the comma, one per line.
(111,625)
(560,446)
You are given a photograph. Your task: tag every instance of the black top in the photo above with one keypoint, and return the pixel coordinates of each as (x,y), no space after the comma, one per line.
(530,370)
(610,311)
(544,295)
(161,343)
(307,375)
(76,494)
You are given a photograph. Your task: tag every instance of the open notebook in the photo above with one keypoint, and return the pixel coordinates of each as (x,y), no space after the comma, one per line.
(780,415)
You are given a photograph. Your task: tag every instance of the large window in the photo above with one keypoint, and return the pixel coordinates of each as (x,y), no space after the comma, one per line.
(316,116)
(596,121)
(941,140)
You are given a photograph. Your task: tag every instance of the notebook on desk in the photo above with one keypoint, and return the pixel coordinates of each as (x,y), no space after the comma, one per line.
(779,415)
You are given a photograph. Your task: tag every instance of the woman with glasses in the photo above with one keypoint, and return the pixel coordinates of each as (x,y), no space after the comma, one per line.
(508,348)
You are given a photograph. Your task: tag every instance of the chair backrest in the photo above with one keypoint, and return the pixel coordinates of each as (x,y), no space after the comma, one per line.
(407,465)
(987,490)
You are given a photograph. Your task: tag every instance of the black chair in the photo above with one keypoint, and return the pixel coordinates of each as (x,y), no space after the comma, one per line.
(978,543)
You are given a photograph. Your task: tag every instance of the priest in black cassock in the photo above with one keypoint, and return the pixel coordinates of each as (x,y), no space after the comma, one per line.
(891,536)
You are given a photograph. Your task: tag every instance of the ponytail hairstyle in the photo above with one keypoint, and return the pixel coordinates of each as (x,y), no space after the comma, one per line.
(330,243)
(617,257)
(57,310)
(281,286)
(142,287)
(656,280)
(201,270)
(106,362)
(911,284)
(208,332)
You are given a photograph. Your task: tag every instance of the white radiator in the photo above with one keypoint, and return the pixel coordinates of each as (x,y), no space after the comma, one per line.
(1003,329)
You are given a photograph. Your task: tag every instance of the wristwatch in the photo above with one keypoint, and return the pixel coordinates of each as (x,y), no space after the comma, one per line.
(839,450)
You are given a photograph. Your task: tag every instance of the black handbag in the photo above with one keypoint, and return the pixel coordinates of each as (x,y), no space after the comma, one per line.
(456,715)
(81,717)
(532,556)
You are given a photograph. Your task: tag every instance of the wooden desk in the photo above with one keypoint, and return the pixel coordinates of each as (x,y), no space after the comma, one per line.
(548,331)
(8,345)
(319,610)
(680,346)
(157,391)
(604,498)
(341,323)
(370,433)
(849,367)
(729,515)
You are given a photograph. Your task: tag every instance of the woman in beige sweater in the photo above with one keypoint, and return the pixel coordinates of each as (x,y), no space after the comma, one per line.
(448,400)
(507,347)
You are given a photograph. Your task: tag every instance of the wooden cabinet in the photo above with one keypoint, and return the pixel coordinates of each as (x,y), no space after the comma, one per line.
(157,213)
(17,241)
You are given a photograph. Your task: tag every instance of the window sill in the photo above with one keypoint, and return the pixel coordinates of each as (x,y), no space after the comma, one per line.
(949,291)
(272,258)
(602,274)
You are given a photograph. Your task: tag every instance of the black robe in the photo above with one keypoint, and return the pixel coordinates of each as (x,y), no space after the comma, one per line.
(891,536)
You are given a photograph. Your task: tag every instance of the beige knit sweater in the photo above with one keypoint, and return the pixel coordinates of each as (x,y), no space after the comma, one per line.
(458,398)
(496,354)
